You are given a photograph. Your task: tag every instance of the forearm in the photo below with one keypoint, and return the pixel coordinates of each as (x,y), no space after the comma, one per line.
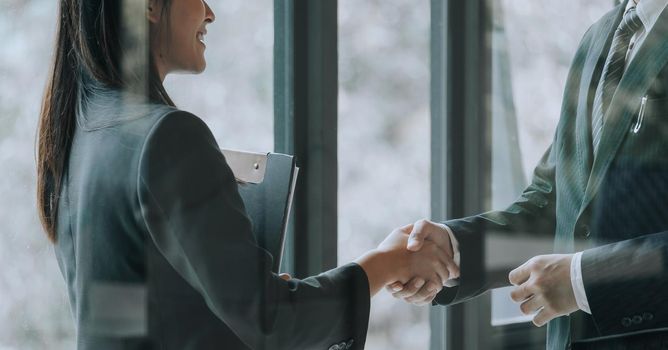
(532,216)
(195,216)
(381,269)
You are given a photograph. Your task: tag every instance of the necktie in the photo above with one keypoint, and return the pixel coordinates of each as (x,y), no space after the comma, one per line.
(613,71)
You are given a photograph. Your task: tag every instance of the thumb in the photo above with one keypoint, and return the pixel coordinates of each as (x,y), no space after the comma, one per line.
(285,276)
(416,238)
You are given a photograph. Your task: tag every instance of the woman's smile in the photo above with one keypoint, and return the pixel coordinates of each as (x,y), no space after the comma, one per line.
(200,37)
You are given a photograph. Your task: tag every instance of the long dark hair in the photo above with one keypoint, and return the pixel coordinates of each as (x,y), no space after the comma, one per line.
(89,47)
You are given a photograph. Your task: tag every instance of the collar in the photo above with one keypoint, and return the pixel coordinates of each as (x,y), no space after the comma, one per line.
(648,11)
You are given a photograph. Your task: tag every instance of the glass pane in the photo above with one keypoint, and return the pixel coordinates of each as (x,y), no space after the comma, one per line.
(234,97)
(34,311)
(234,94)
(384,144)
(533,46)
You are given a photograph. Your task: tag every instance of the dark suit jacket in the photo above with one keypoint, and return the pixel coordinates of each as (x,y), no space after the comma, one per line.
(158,253)
(617,203)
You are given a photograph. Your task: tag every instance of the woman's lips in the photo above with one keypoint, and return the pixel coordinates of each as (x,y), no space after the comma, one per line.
(200,37)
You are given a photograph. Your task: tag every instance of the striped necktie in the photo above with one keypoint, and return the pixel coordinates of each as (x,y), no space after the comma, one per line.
(613,71)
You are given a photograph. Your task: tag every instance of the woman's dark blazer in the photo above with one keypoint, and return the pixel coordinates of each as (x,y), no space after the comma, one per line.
(158,253)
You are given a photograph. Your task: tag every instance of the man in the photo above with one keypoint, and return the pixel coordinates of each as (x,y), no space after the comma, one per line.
(604,180)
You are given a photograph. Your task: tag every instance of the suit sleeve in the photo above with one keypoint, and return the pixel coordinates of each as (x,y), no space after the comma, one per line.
(627,284)
(194,213)
(533,213)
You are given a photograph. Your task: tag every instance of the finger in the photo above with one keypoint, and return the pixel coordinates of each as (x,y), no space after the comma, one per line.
(521,292)
(426,301)
(417,236)
(543,316)
(442,272)
(450,265)
(451,270)
(410,288)
(406,229)
(285,276)
(520,274)
(438,234)
(394,287)
(531,305)
(425,293)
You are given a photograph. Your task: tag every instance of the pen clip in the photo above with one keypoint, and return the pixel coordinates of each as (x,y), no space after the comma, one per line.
(641,115)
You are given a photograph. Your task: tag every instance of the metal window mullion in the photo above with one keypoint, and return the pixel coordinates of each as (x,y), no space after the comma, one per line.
(306,93)
(461,138)
(284,102)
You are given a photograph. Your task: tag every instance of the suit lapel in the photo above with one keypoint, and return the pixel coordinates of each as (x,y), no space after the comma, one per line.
(591,73)
(646,65)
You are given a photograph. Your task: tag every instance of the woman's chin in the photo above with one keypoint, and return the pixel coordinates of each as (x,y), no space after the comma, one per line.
(200,67)
(196,69)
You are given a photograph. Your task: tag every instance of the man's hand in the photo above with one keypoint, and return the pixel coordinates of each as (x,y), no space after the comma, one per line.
(543,284)
(418,291)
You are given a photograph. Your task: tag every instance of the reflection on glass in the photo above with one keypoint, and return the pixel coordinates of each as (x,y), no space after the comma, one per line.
(384,144)
(533,44)
(235,93)
(34,311)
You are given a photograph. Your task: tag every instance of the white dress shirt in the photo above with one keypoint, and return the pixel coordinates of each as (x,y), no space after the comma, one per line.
(648,12)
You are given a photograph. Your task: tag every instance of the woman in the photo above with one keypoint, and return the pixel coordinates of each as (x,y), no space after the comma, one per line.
(149,229)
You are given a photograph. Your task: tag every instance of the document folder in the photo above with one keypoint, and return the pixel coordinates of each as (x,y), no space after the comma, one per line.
(266,184)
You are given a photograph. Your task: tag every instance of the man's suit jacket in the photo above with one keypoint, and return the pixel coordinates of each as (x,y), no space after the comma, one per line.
(158,253)
(616,202)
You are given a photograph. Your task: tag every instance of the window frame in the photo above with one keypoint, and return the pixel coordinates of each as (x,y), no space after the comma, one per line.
(305,104)
(461,161)
(305,125)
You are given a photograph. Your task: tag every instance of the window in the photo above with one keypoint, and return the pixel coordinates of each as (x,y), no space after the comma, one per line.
(518,54)
(384,144)
(234,94)
(529,73)
(234,97)
(34,312)
(384,131)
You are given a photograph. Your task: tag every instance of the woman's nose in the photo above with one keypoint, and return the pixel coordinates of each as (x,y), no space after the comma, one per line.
(210,16)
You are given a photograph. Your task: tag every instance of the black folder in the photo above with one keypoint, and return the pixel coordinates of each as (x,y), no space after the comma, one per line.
(266,184)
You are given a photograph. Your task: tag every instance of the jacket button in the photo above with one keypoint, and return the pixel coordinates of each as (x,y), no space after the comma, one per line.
(637,319)
(350,343)
(586,232)
(647,316)
(626,322)
(334,347)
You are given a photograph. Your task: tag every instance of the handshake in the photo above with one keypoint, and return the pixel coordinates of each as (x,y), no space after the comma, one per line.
(416,261)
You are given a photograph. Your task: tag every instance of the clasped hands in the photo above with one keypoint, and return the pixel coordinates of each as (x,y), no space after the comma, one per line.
(425,266)
(542,285)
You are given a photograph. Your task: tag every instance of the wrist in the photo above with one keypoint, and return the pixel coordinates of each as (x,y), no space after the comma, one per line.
(381,268)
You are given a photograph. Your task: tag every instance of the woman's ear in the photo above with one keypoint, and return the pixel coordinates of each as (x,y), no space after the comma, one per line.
(154,11)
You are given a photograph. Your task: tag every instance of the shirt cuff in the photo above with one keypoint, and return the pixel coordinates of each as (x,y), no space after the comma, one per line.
(456,257)
(578,284)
